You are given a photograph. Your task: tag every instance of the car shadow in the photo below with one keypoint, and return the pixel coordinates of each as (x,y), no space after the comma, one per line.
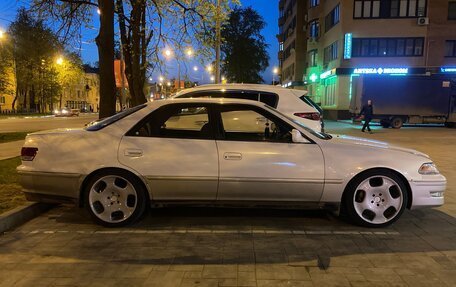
(192,236)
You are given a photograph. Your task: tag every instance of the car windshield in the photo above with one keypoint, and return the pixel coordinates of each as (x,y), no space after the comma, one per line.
(320,135)
(100,124)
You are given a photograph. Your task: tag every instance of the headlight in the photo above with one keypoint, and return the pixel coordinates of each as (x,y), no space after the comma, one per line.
(428,168)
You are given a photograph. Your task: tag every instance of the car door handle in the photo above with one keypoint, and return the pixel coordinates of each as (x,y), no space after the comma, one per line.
(232,156)
(133,152)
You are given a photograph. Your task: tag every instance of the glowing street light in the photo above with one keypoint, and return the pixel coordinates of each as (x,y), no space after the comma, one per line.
(168,84)
(195,68)
(275,72)
(59,61)
(161,79)
(209,69)
(212,78)
(168,53)
(189,52)
(2,34)
(98,11)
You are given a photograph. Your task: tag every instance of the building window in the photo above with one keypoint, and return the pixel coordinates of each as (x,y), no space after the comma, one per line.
(281,46)
(288,50)
(450,48)
(332,18)
(314,29)
(330,91)
(388,47)
(371,9)
(452,10)
(313,54)
(330,53)
(314,3)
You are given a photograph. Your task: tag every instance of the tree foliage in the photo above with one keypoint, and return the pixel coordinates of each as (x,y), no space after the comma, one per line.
(146,28)
(243,46)
(34,50)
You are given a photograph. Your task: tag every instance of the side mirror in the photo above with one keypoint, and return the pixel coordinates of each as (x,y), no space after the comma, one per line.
(297,137)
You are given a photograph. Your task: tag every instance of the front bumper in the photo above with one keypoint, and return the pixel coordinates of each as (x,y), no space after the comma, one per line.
(428,193)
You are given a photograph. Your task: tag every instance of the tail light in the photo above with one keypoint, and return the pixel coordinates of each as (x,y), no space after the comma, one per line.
(309,116)
(28,153)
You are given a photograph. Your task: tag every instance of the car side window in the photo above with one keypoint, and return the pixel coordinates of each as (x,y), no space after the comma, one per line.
(243,123)
(176,121)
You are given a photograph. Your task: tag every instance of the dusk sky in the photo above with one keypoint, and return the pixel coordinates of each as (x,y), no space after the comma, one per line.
(266,8)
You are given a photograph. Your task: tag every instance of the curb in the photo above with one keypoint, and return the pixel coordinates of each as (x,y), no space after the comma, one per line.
(22,214)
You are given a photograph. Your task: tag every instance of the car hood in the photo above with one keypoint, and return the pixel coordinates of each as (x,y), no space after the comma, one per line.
(356,141)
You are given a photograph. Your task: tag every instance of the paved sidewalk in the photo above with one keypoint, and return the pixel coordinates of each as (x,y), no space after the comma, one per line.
(10,149)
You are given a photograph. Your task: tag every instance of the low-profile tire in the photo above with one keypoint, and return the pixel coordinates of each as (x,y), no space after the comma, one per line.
(376,198)
(397,122)
(115,198)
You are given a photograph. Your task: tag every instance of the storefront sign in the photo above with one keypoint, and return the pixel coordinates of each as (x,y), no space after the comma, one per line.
(381,71)
(348,46)
(448,70)
(327,74)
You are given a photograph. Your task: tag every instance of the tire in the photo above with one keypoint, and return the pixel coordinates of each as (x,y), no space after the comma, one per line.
(397,122)
(385,124)
(115,198)
(376,198)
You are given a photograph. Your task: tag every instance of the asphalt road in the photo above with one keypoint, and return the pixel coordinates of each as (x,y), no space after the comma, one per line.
(245,247)
(18,124)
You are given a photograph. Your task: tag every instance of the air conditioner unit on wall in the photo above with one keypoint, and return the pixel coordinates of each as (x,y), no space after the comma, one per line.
(422,21)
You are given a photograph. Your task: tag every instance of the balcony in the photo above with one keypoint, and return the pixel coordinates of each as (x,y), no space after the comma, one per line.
(282,20)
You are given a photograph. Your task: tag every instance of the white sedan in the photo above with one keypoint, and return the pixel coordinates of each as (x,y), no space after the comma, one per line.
(223,152)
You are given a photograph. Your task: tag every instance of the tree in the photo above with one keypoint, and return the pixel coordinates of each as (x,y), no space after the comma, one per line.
(145,28)
(244,48)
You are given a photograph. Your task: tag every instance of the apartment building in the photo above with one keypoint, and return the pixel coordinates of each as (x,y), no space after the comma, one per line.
(350,40)
(292,42)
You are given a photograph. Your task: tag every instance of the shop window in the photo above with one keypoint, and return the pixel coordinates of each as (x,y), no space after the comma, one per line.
(330,91)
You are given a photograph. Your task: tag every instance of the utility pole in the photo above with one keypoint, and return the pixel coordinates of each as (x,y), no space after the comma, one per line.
(217,43)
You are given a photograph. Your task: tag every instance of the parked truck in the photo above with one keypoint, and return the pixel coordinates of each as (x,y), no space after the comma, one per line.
(407,99)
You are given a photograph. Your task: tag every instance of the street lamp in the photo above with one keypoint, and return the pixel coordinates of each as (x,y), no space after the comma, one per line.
(189,52)
(2,34)
(195,68)
(275,71)
(168,53)
(212,78)
(59,61)
(209,68)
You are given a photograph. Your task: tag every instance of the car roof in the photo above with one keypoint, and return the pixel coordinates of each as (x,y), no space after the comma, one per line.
(158,103)
(245,87)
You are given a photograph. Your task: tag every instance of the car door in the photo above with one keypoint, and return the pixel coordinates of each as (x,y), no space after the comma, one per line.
(175,150)
(259,161)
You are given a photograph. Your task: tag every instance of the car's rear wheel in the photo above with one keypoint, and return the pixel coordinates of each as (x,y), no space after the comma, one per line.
(115,198)
(376,198)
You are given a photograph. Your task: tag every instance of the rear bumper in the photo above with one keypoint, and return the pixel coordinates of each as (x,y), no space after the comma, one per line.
(50,187)
(428,193)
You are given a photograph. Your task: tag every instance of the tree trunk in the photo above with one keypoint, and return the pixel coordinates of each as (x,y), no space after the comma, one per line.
(105,43)
(133,50)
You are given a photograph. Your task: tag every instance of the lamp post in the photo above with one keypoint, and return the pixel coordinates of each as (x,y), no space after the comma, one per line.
(275,71)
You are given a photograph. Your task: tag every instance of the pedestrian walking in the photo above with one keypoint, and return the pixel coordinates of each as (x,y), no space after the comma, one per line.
(367,112)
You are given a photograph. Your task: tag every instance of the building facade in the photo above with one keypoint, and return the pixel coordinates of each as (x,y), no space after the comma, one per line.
(292,42)
(83,95)
(351,40)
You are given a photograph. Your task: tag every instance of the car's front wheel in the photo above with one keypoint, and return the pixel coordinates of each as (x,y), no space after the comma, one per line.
(376,198)
(115,198)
